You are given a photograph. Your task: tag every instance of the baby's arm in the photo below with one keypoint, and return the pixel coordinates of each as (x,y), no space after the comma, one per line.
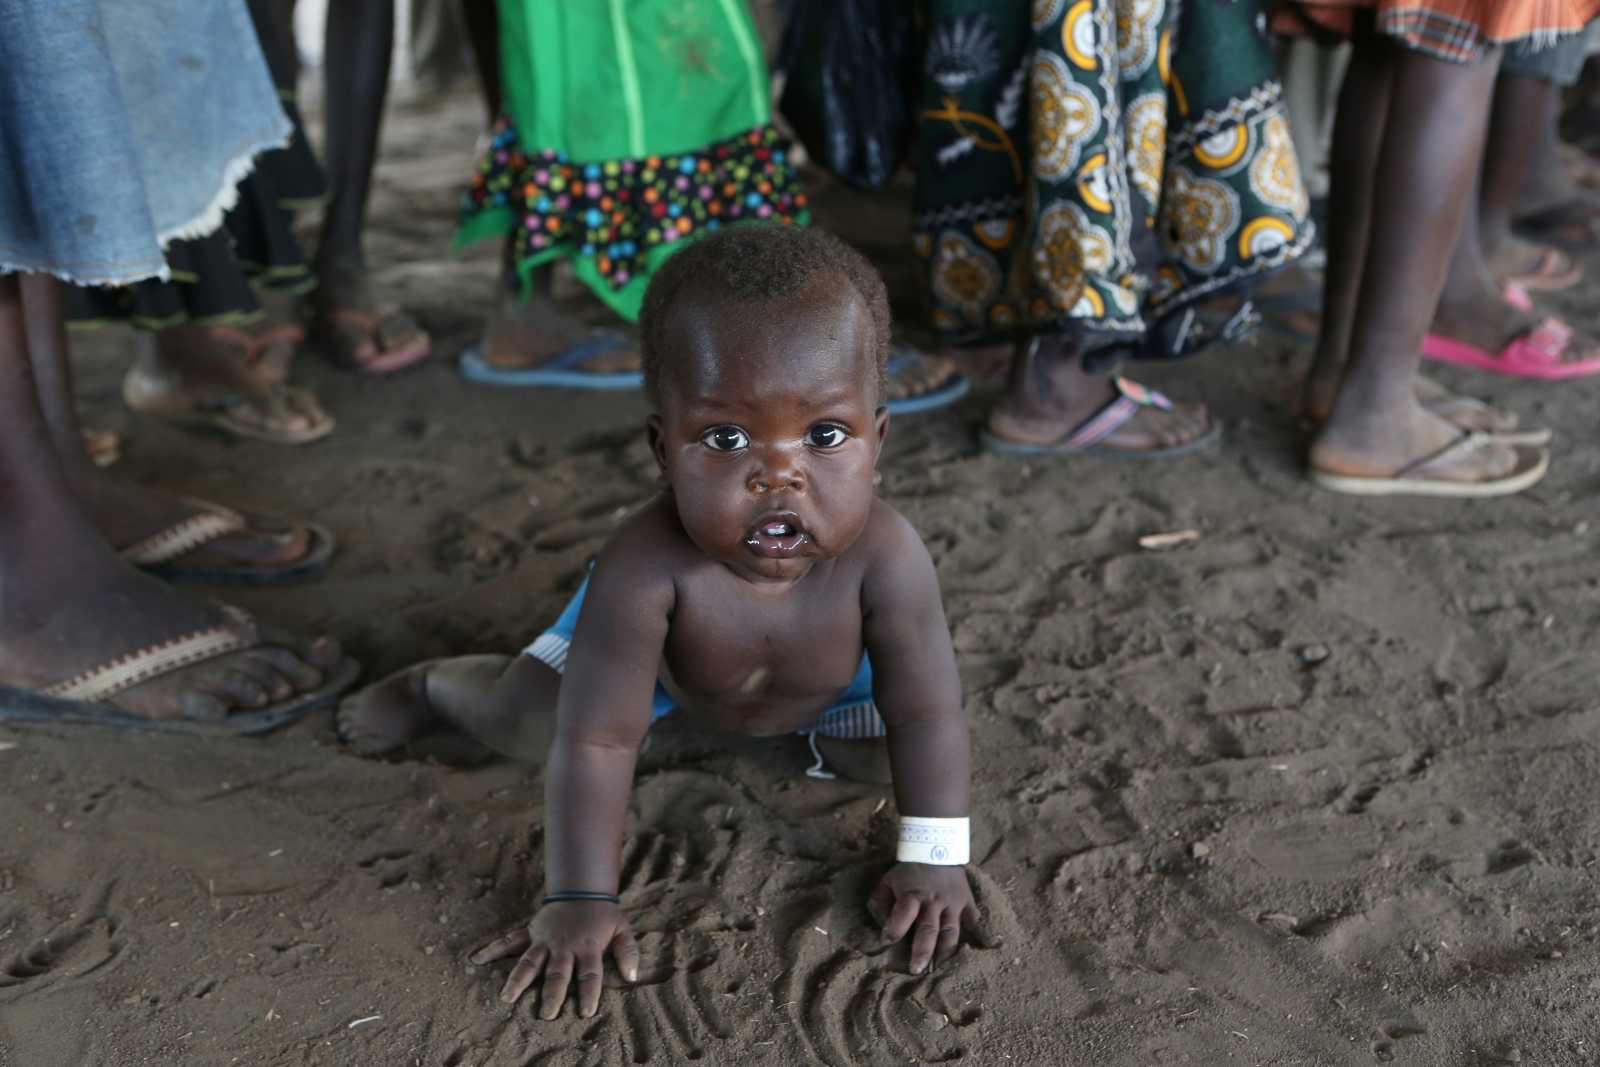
(601,717)
(918,693)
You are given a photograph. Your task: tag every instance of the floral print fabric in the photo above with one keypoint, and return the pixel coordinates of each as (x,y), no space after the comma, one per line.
(618,218)
(1097,166)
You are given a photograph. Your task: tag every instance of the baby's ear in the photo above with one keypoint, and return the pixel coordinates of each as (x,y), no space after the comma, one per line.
(656,433)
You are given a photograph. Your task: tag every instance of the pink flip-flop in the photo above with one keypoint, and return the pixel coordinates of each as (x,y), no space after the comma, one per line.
(1535,354)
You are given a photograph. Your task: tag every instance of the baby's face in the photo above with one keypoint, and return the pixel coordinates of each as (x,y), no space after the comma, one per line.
(769,425)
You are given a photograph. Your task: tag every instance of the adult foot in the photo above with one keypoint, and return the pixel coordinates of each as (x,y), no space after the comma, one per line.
(979,362)
(1490,325)
(1464,412)
(186,375)
(521,334)
(914,373)
(1537,267)
(1049,396)
(61,627)
(360,332)
(266,347)
(1372,446)
(129,515)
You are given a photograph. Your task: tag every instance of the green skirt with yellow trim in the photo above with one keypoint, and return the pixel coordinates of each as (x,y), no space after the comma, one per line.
(1097,167)
(629,126)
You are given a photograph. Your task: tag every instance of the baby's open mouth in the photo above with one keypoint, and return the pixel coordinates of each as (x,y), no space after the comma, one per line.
(777,539)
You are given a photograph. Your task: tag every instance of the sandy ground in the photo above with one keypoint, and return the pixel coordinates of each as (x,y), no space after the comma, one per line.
(1318,788)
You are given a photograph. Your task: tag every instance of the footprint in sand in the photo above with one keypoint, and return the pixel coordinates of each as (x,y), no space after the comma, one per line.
(66,951)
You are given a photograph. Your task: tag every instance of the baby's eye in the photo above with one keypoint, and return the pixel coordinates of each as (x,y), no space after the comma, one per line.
(825,436)
(727,439)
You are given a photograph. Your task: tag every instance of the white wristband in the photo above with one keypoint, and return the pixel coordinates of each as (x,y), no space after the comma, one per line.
(942,842)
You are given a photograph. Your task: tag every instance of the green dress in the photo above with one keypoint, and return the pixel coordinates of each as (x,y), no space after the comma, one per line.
(629,126)
(1097,167)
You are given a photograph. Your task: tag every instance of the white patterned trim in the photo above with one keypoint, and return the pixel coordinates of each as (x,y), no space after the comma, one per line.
(184,537)
(125,672)
(550,648)
(1262,98)
(852,722)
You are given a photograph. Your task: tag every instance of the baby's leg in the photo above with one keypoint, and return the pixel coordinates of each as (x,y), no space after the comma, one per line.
(507,703)
(865,759)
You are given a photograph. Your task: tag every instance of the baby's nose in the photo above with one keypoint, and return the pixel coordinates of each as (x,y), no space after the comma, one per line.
(777,472)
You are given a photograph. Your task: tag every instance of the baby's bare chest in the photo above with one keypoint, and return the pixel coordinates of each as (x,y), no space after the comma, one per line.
(765,649)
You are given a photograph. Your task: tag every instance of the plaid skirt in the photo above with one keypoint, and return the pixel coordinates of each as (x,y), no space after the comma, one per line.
(1455,30)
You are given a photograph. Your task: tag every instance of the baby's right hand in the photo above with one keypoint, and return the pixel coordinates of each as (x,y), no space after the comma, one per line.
(564,939)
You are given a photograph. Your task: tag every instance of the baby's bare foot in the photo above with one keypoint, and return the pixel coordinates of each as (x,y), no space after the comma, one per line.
(388,713)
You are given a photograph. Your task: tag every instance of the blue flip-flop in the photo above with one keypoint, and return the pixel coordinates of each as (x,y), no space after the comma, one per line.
(954,388)
(559,370)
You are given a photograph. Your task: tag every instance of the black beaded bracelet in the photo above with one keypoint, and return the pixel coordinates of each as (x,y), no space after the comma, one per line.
(557,898)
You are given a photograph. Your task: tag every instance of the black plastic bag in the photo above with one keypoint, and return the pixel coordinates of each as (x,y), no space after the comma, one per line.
(849,67)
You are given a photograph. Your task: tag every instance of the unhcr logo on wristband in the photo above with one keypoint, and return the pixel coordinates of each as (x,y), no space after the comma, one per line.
(941,842)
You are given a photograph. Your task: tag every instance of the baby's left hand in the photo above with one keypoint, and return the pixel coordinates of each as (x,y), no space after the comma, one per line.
(932,902)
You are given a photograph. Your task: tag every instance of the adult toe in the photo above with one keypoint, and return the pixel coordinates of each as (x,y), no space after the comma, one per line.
(296,671)
(202,706)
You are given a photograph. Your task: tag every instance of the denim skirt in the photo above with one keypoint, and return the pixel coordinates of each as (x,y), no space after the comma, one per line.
(124,125)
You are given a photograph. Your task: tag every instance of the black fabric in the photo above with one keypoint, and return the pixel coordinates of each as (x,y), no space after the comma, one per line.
(214,278)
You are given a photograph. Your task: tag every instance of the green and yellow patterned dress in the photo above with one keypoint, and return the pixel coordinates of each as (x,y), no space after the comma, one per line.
(629,126)
(1097,167)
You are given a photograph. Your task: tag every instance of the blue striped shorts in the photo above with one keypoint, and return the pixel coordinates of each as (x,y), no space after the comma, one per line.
(854,716)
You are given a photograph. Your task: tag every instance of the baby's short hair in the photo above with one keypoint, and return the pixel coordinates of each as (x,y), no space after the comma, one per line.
(758,262)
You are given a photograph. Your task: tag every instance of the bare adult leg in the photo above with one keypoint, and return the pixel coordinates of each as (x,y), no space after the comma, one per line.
(1433,124)
(123,513)
(1521,113)
(483,31)
(69,604)
(360,37)
(1551,207)
(1049,394)
(1471,306)
(1545,184)
(1357,133)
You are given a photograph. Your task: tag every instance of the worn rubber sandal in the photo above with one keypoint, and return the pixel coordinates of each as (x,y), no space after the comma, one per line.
(953,388)
(26,705)
(559,371)
(1554,270)
(1131,396)
(1412,479)
(350,332)
(161,553)
(85,697)
(1534,354)
(263,351)
(149,395)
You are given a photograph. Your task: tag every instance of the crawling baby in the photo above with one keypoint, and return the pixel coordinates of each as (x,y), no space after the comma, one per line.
(764,590)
